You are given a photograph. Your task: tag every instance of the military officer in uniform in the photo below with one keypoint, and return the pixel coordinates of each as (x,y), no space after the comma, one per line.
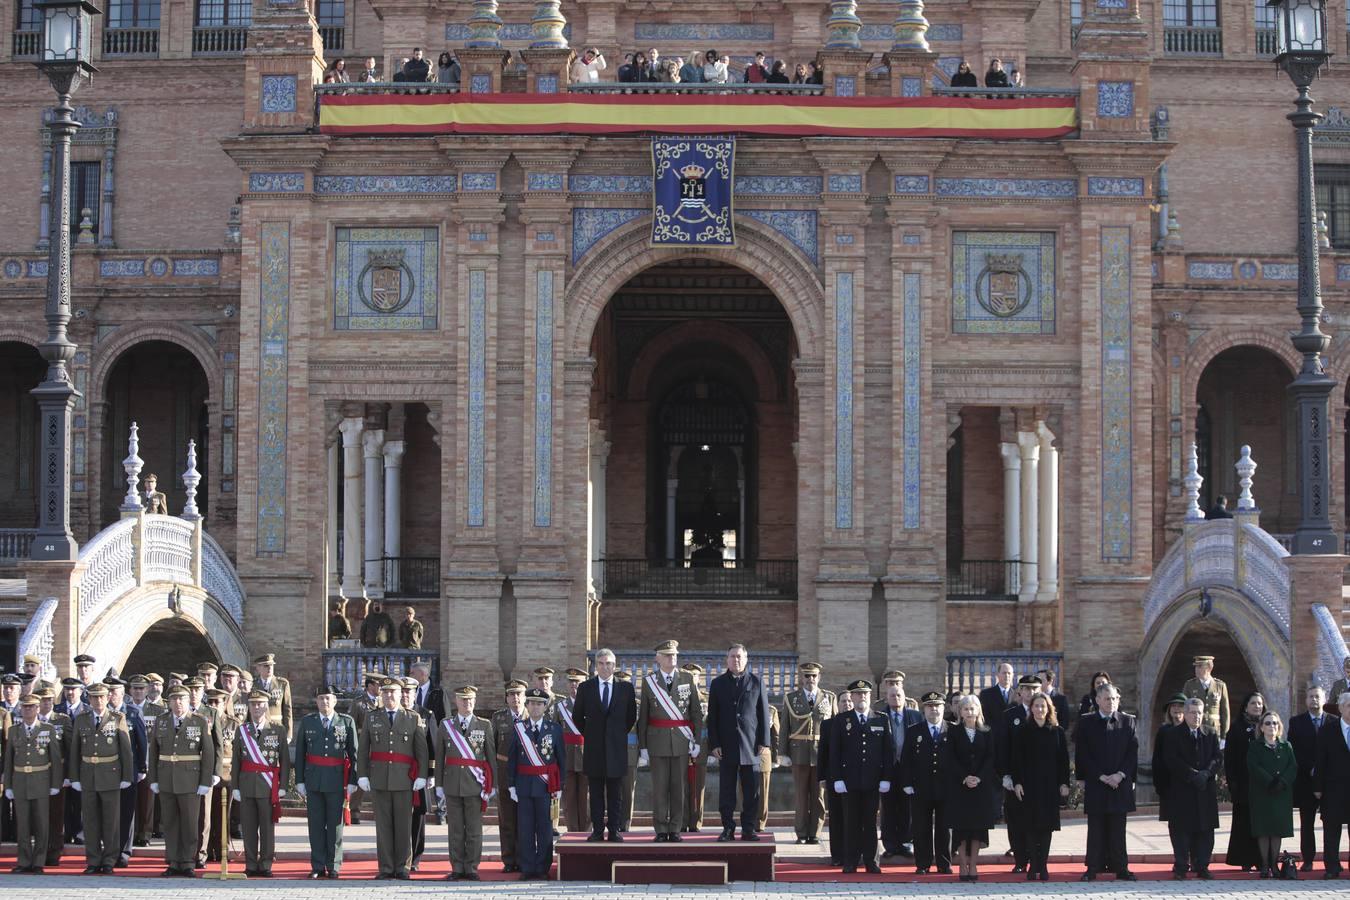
(862,767)
(101,767)
(695,789)
(9,694)
(32,776)
(138,689)
(669,719)
(259,772)
(182,768)
(227,726)
(503,723)
(576,810)
(10,685)
(278,688)
(84,673)
(466,756)
(920,781)
(628,784)
(542,678)
(60,722)
(534,777)
(1215,694)
(357,709)
(155,502)
(140,752)
(207,672)
(206,811)
(422,800)
(391,757)
(32,666)
(325,776)
(803,712)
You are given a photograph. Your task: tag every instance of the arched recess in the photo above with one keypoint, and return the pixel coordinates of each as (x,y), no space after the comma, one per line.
(22,369)
(1202,353)
(113,635)
(624,253)
(126,337)
(749,353)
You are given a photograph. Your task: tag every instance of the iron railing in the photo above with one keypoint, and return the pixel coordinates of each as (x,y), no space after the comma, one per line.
(1192,41)
(27,44)
(660,87)
(754,579)
(984,580)
(131,42)
(409,576)
(219,41)
(778,671)
(344,667)
(16,544)
(334,38)
(1005,93)
(972,672)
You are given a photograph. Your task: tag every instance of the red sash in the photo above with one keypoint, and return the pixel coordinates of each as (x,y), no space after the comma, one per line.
(668,723)
(410,761)
(479,769)
(257,763)
(312,760)
(572,735)
(549,773)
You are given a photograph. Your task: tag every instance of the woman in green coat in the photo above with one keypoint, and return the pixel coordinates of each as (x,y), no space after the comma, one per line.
(1272,769)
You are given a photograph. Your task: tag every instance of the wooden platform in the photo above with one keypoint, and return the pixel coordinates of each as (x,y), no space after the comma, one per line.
(667,872)
(582,860)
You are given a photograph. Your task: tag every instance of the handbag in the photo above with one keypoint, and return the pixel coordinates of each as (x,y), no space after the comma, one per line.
(1288,867)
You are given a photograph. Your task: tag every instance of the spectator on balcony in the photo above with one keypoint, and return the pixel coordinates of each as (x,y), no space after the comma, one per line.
(410,631)
(996,77)
(368,74)
(447,69)
(399,76)
(668,72)
(417,69)
(654,61)
(799,75)
(779,74)
(377,630)
(692,70)
(814,73)
(964,77)
(339,626)
(714,69)
(625,74)
(756,73)
(586,68)
(336,73)
(643,69)
(1220,509)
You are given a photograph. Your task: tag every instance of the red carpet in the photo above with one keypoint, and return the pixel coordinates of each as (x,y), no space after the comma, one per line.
(433,868)
(993,873)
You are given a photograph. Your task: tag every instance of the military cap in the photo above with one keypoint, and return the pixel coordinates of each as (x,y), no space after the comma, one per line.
(216,693)
(71,683)
(575,674)
(861,686)
(207,666)
(84,659)
(543,670)
(228,668)
(261,697)
(193,682)
(137,681)
(809,668)
(693,667)
(1029,681)
(391,684)
(466,690)
(267,659)
(623,676)
(410,683)
(11,678)
(32,659)
(668,647)
(932,698)
(25,678)
(318,692)
(44,693)
(98,689)
(1202,659)
(538,694)
(893,675)
(516,686)
(176,691)
(372,678)
(154,678)
(30,700)
(178,677)
(114,681)
(1176,699)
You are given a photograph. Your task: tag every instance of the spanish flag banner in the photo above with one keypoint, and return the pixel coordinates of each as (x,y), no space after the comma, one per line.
(939,117)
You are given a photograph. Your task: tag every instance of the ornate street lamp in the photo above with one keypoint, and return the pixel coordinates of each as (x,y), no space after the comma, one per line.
(66,60)
(1301,51)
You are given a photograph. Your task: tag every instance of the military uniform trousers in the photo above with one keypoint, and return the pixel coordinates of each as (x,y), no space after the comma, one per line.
(182,819)
(464,824)
(835,803)
(693,799)
(323,812)
(506,816)
(535,850)
(628,784)
(56,831)
(895,821)
(860,827)
(809,795)
(220,795)
(670,776)
(31,818)
(932,837)
(393,830)
(126,820)
(1013,816)
(765,773)
(145,813)
(101,811)
(576,809)
(259,832)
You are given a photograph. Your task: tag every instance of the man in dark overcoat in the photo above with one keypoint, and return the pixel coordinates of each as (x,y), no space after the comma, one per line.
(604,712)
(1106,760)
(1194,761)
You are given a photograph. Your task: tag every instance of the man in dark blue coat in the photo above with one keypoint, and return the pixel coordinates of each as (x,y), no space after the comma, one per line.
(534,779)
(1332,783)
(1194,761)
(862,767)
(738,731)
(604,712)
(896,835)
(921,781)
(1106,760)
(1303,729)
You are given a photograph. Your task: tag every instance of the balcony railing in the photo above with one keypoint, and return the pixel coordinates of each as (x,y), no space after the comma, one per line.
(1192,41)
(15,544)
(972,672)
(229,41)
(1005,93)
(131,42)
(660,87)
(409,576)
(385,87)
(757,579)
(334,38)
(1265,41)
(778,671)
(27,44)
(343,667)
(984,580)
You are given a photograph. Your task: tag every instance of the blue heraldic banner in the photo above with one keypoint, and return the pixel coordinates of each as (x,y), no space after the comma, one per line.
(691,191)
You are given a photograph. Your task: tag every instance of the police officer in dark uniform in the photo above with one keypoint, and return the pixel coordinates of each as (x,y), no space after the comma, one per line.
(919,775)
(862,768)
(834,801)
(1013,717)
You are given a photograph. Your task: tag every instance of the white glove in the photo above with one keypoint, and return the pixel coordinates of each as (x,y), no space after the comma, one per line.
(512,792)
(1223,742)
(215,780)
(693,751)
(492,794)
(140,777)
(76,786)
(884,787)
(363,783)
(203,790)
(419,784)
(123,785)
(154,787)
(643,760)
(9,794)
(785,759)
(65,783)
(440,794)
(52,791)
(351,789)
(840,788)
(1007,782)
(909,791)
(301,789)
(236,796)
(556,795)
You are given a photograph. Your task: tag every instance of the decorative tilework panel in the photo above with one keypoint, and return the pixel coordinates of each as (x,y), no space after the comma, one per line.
(611,184)
(545,181)
(913,411)
(1279,271)
(384,184)
(1012,188)
(1342,272)
(276,182)
(479,181)
(1210,271)
(1115,99)
(196,268)
(37,268)
(480,84)
(912,184)
(386,279)
(665,33)
(543,399)
(845,86)
(843,400)
(1246,269)
(946,31)
(1115,187)
(121,268)
(278,94)
(546,84)
(590,225)
(800,226)
(843,240)
(13,268)
(845,184)
(159,267)
(545,236)
(940,33)
(477,462)
(478,236)
(911,240)
(1117,483)
(274,240)
(511,31)
(1112,4)
(911,86)
(777,185)
(1003,282)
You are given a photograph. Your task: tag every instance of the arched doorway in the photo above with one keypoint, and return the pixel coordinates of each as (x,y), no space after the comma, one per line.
(169,645)
(1241,399)
(1203,638)
(162,388)
(21,369)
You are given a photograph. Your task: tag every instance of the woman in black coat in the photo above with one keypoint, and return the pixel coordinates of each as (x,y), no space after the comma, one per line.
(1162,781)
(964,77)
(1088,704)
(1242,849)
(1040,774)
(969,786)
(996,77)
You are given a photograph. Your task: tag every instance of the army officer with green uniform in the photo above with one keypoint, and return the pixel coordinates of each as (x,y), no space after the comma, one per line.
(182,768)
(466,758)
(325,775)
(391,766)
(32,775)
(259,771)
(100,768)
(1213,691)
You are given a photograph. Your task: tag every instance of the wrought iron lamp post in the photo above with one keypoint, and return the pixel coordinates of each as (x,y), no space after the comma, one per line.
(1301,51)
(66,60)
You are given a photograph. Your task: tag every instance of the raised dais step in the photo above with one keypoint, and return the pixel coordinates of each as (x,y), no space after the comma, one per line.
(692,872)
(582,860)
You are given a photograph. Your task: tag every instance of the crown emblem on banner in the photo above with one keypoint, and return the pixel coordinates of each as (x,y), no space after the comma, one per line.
(694,171)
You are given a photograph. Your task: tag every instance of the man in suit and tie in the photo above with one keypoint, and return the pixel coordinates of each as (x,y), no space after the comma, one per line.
(1194,761)
(862,767)
(1106,757)
(921,780)
(429,698)
(896,836)
(604,712)
(738,732)
(1332,773)
(534,780)
(998,696)
(1303,731)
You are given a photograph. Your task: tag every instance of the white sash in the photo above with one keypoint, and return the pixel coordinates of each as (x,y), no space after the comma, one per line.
(567,719)
(255,754)
(668,706)
(530,749)
(466,752)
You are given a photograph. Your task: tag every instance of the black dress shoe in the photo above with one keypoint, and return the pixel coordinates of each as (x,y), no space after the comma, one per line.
(108,870)
(1178,876)
(401,876)
(801,840)
(140,842)
(1088,876)
(1205,875)
(614,838)
(850,870)
(749,835)
(944,870)
(122,862)
(250,873)
(331,876)
(91,870)
(1127,875)
(1305,867)
(35,870)
(1032,876)
(188,873)
(596,836)
(18,870)
(921,870)
(660,837)
(453,876)
(728,834)
(873,868)
(813,840)
(200,865)
(516,868)
(1331,874)
(673,837)
(1019,869)
(170,872)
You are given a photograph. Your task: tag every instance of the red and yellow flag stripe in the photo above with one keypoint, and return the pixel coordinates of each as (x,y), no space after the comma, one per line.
(1020,117)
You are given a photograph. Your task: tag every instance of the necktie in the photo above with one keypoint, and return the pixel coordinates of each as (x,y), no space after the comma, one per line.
(604,694)
(325,723)
(669,682)
(97,719)
(934,730)
(810,699)
(1317,724)
(176,722)
(464,726)
(391,718)
(862,720)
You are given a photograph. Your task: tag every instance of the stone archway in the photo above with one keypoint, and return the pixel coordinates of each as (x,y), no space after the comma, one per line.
(115,634)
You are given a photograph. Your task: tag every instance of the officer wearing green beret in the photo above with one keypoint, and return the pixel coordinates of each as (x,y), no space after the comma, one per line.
(325,775)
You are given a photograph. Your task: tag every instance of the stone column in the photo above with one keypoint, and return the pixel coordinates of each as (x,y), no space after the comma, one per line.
(1012,511)
(351,429)
(1048,559)
(334,491)
(393,508)
(672,486)
(1029,445)
(372,446)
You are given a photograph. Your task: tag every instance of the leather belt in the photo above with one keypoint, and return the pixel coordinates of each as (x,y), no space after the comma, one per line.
(803,737)
(96,760)
(196,757)
(29,770)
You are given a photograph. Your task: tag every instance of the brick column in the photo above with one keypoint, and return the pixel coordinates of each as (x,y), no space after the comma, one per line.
(283,64)
(1312,580)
